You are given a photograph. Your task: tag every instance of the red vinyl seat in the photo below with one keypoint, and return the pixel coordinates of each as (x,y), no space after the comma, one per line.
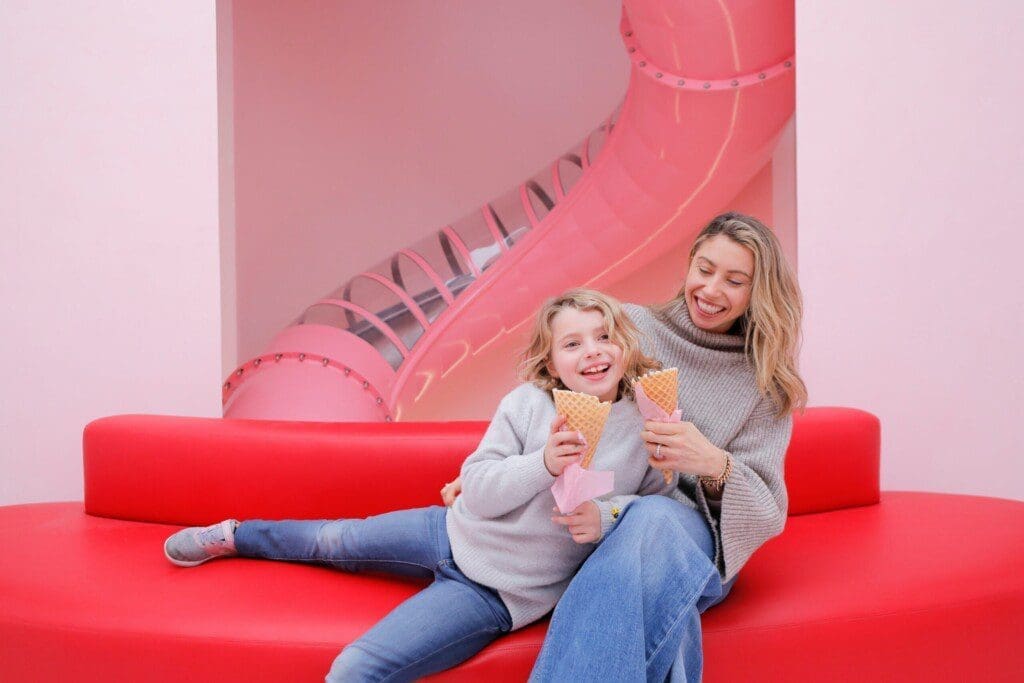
(860,585)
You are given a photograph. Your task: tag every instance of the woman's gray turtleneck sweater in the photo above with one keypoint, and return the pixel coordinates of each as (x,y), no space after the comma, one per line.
(718,393)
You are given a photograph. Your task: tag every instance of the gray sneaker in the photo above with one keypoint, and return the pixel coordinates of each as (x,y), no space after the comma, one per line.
(197,544)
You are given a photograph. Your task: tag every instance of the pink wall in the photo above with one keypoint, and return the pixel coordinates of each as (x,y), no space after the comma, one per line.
(109,256)
(911,231)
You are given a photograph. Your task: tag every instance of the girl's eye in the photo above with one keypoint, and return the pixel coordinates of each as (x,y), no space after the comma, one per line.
(605,337)
(569,344)
(704,271)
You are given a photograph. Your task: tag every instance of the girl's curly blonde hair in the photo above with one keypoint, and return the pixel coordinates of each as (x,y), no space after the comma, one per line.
(621,330)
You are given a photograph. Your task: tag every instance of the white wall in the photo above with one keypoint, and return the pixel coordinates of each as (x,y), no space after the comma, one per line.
(910,185)
(108,227)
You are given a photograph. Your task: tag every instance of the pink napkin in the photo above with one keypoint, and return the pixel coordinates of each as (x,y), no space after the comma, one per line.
(651,410)
(576,485)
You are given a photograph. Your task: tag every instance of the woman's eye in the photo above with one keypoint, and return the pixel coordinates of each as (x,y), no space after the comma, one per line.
(734,283)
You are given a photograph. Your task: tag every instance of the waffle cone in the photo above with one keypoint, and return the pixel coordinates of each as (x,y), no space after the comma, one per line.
(662,387)
(584,413)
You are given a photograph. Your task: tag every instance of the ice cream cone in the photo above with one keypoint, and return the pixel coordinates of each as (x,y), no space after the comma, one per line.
(662,387)
(586,414)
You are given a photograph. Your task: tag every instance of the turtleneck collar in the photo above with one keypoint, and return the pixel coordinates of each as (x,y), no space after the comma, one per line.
(676,316)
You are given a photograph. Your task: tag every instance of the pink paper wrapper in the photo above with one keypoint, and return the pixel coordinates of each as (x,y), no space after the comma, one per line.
(576,485)
(650,410)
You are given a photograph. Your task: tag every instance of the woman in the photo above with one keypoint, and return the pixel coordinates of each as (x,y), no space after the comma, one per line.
(633,610)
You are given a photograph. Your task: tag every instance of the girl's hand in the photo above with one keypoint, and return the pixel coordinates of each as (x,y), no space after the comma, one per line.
(683,449)
(584,522)
(563,447)
(450,491)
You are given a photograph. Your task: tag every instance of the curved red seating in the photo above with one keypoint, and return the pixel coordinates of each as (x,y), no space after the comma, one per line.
(861,585)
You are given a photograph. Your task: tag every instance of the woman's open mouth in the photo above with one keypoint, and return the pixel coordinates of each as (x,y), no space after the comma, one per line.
(706,309)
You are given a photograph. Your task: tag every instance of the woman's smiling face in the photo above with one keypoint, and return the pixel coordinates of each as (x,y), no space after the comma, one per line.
(718,284)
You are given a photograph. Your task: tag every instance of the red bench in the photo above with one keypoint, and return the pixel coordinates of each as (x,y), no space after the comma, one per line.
(860,586)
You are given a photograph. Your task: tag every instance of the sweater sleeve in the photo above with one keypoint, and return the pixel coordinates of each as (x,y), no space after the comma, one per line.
(499,477)
(754,501)
(611,508)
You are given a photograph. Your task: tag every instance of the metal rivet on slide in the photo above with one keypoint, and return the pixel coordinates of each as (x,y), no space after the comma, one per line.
(240,371)
(629,34)
(658,75)
(379,400)
(643,63)
(735,83)
(227,385)
(682,82)
(707,85)
(257,362)
(788,64)
(761,76)
(348,371)
(366,385)
(325,361)
(277,357)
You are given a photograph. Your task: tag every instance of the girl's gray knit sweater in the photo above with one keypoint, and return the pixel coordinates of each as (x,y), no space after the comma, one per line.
(500,528)
(718,394)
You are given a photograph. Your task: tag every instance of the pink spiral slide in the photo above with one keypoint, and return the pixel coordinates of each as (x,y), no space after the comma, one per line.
(437,324)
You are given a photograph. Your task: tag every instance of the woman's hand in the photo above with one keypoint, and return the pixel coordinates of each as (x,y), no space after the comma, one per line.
(563,447)
(584,522)
(683,449)
(450,491)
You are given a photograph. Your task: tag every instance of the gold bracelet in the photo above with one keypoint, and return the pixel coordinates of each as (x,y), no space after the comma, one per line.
(715,484)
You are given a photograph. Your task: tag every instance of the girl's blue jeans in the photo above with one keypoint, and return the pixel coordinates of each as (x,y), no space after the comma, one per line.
(632,613)
(444,624)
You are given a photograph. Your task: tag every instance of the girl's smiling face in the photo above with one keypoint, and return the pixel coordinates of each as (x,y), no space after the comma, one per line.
(583,356)
(718,283)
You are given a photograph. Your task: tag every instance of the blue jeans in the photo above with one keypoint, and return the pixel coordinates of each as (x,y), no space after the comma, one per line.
(441,626)
(632,613)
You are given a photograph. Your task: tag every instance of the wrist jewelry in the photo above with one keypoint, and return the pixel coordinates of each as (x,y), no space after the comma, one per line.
(715,484)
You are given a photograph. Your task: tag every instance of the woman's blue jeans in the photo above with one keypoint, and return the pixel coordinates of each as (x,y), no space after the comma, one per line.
(632,613)
(441,626)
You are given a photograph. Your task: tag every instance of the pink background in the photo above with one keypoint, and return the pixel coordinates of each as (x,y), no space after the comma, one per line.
(112,258)
(108,216)
(910,173)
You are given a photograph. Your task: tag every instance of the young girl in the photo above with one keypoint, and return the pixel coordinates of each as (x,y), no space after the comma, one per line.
(498,557)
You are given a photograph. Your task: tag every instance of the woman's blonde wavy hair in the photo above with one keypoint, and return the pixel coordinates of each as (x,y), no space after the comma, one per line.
(771,324)
(621,330)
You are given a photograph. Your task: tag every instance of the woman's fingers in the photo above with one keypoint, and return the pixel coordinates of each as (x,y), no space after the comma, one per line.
(654,437)
(665,428)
